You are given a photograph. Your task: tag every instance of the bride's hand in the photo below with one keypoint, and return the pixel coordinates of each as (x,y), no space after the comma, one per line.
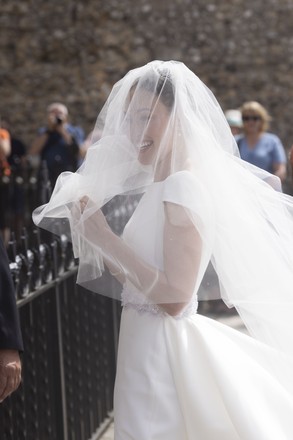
(83,202)
(96,225)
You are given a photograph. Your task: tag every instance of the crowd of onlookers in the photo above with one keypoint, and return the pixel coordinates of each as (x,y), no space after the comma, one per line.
(62,147)
(58,144)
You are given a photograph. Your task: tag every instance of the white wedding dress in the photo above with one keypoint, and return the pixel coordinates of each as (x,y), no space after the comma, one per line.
(190,377)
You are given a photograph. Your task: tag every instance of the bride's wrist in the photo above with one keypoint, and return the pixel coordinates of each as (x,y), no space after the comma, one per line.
(108,239)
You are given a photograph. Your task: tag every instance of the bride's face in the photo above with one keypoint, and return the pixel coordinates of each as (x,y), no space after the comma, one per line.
(148,128)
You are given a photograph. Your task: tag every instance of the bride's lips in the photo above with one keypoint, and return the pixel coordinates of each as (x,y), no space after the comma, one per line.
(145,145)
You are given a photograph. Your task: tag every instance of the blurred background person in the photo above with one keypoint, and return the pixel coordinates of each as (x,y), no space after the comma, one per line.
(17,160)
(58,142)
(234,119)
(256,145)
(5,177)
(90,140)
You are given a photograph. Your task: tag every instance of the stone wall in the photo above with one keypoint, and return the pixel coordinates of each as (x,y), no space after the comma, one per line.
(73,51)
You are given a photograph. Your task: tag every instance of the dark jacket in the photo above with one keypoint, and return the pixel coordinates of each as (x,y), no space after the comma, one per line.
(10,333)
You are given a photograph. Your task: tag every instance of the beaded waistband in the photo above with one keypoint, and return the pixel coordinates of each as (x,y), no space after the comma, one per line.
(136,300)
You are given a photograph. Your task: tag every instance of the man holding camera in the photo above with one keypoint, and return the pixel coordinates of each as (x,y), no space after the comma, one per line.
(58,143)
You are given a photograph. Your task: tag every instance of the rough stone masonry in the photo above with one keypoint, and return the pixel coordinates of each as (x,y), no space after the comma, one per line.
(73,51)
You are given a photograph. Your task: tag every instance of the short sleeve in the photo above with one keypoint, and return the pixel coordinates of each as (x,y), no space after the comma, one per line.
(278,152)
(184,189)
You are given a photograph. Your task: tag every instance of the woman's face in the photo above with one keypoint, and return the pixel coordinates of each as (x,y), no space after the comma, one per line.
(252,122)
(149,119)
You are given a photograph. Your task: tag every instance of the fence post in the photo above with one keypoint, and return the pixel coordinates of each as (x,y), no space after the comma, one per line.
(60,341)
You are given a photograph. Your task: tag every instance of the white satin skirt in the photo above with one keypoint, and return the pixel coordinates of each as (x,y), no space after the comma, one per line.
(195,379)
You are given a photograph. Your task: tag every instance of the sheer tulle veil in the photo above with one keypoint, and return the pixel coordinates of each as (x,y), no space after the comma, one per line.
(161,120)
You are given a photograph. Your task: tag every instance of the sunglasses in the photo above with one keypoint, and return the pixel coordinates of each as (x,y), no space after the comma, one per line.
(250,118)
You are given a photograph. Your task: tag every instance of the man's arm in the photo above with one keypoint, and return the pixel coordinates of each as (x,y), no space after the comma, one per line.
(39,143)
(10,333)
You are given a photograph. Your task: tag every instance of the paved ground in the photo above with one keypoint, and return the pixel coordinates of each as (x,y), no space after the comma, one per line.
(233,321)
(109,434)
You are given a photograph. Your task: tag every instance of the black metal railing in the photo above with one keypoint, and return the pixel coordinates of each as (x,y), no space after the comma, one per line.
(70,334)
(70,338)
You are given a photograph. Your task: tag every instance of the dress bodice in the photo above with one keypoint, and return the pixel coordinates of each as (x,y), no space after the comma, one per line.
(144,233)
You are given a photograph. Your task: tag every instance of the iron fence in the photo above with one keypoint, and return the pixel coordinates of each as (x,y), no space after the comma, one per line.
(70,334)
(70,338)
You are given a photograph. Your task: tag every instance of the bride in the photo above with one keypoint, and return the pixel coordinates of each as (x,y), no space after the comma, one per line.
(181,375)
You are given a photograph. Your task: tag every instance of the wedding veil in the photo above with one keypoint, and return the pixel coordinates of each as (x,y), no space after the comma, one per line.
(160,122)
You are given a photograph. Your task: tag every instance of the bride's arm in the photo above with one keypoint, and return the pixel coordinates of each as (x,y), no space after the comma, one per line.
(171,288)
(182,256)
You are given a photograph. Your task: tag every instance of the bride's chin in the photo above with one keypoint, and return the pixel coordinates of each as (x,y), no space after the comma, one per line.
(145,157)
(142,161)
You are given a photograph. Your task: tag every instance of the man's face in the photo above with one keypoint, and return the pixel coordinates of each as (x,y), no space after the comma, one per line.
(56,116)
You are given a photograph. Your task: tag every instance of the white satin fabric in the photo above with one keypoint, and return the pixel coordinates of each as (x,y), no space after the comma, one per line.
(190,378)
(195,379)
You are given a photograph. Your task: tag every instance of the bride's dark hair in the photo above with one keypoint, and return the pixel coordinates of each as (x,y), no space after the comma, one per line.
(161,86)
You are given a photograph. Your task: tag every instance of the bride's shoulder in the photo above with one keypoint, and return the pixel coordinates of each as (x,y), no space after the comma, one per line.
(181,180)
(181,184)
(184,188)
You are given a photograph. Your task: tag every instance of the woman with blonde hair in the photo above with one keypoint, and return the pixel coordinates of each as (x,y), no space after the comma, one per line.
(256,145)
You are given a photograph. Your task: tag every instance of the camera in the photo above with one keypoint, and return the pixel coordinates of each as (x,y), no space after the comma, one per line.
(59,120)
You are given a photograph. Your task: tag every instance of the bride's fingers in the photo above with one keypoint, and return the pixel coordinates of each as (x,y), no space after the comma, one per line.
(84,199)
(83,202)
(97,216)
(82,205)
